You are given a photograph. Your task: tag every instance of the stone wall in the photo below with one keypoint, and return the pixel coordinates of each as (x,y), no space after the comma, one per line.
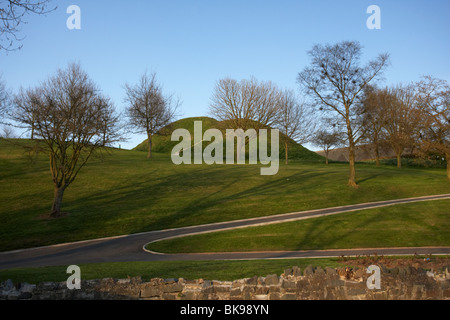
(311,283)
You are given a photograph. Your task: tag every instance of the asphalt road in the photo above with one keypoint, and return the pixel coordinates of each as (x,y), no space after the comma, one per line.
(131,247)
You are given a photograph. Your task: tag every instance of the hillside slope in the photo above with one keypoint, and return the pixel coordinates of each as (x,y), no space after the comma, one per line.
(163,144)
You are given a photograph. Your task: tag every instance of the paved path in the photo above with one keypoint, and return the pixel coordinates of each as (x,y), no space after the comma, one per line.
(130,247)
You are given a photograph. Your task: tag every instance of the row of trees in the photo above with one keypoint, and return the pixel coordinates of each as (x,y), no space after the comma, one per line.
(409,117)
(343,96)
(253,104)
(72,119)
(413,118)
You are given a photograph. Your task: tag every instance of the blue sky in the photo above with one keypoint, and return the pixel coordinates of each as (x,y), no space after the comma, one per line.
(191,44)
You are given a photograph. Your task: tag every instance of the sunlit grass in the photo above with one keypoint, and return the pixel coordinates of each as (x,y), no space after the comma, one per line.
(407,225)
(126,193)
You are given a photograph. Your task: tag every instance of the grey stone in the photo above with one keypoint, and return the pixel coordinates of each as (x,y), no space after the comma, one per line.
(25,295)
(288,285)
(149,291)
(288,272)
(319,271)
(272,279)
(8,285)
(13,294)
(235,292)
(252,281)
(174,287)
(170,280)
(189,295)
(289,296)
(308,271)
(296,271)
(330,271)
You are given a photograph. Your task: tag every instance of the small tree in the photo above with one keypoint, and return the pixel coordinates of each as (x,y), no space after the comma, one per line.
(403,120)
(295,120)
(336,80)
(67,113)
(245,104)
(327,140)
(374,116)
(3,101)
(434,100)
(149,110)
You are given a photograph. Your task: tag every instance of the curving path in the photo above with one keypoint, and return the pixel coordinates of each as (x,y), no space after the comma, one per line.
(131,247)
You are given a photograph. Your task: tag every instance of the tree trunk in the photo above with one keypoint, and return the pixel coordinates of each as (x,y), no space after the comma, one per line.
(351,160)
(399,159)
(351,155)
(377,151)
(57,202)
(326,156)
(447,158)
(286,151)
(149,154)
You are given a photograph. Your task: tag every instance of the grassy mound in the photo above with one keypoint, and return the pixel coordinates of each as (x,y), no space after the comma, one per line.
(163,144)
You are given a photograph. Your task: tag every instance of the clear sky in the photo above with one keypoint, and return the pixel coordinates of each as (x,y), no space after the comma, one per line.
(191,44)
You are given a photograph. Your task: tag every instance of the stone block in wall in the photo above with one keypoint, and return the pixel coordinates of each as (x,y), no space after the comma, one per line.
(296,271)
(308,271)
(150,290)
(288,272)
(289,285)
(262,290)
(446,294)
(319,271)
(189,295)
(252,281)
(235,292)
(272,279)
(289,296)
(330,271)
(173,287)
(274,296)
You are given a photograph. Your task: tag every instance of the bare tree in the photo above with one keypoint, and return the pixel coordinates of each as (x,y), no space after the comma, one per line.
(12,14)
(403,120)
(3,101)
(434,100)
(375,104)
(295,120)
(245,104)
(149,110)
(335,80)
(67,112)
(111,122)
(327,140)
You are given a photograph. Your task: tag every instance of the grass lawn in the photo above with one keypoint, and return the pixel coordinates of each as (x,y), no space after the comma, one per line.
(211,270)
(126,193)
(409,225)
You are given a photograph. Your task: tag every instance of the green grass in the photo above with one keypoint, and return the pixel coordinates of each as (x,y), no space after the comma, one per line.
(409,225)
(211,270)
(126,193)
(161,143)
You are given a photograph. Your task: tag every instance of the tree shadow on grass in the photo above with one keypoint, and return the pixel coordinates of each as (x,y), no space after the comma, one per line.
(115,202)
(199,207)
(320,228)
